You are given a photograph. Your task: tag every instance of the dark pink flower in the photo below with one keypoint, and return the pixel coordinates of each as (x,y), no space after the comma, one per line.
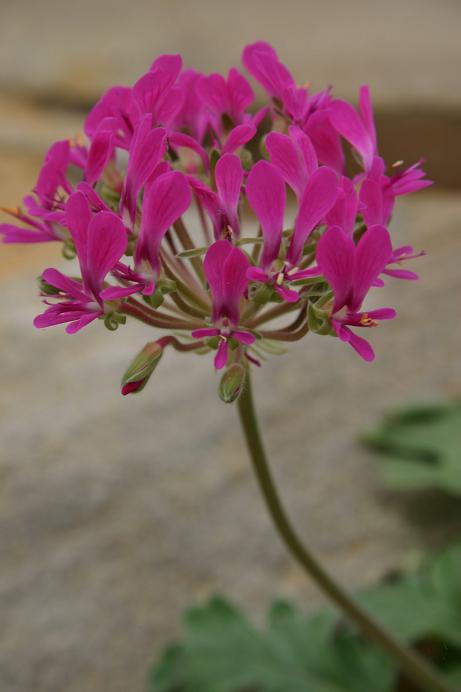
(222,205)
(318,198)
(351,270)
(226,272)
(100,241)
(231,97)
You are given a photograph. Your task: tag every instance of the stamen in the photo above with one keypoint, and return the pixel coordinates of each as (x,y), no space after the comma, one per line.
(280,279)
(367,321)
(396,164)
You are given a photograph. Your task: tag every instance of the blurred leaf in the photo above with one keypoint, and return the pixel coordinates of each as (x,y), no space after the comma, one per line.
(221,651)
(420,447)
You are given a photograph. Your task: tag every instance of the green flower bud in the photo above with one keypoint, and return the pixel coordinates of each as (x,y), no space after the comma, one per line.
(232,383)
(142,367)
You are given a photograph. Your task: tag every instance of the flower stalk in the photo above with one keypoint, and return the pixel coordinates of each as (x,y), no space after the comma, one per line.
(410,662)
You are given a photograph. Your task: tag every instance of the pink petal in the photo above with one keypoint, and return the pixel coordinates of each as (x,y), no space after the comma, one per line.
(205,333)
(344,211)
(318,198)
(213,91)
(306,148)
(287,294)
(222,354)
(265,190)
(257,274)
(335,257)
(239,136)
(165,200)
(147,149)
(373,252)
(360,345)
(286,156)
(366,112)
(107,242)
(262,62)
(244,337)
(229,177)
(77,220)
(326,140)
(180,139)
(372,198)
(117,292)
(64,283)
(240,94)
(99,156)
(348,123)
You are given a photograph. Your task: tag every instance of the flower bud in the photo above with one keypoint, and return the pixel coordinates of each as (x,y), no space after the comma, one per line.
(232,383)
(142,367)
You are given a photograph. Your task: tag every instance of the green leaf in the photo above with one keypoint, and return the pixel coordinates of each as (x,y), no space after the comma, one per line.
(420,448)
(221,651)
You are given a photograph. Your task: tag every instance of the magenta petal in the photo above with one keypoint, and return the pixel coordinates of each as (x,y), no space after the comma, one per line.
(262,62)
(344,211)
(266,194)
(371,197)
(165,200)
(318,198)
(306,148)
(64,283)
(205,333)
(257,274)
(287,294)
(229,177)
(222,354)
(373,252)
(348,123)
(147,149)
(360,345)
(326,140)
(244,337)
(107,242)
(239,136)
(75,327)
(335,257)
(235,283)
(382,314)
(180,139)
(117,292)
(366,113)
(99,156)
(286,156)
(77,220)
(213,265)
(212,89)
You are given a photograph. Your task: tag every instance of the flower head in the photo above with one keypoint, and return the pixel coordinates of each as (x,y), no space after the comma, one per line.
(204,219)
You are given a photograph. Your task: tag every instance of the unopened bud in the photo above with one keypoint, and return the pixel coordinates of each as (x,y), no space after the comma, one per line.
(142,367)
(232,383)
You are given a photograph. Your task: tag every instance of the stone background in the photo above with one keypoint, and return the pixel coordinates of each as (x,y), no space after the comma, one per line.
(116,513)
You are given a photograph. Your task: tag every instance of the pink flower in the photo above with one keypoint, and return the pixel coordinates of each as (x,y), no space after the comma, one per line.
(266,195)
(100,241)
(222,205)
(351,270)
(226,272)
(231,97)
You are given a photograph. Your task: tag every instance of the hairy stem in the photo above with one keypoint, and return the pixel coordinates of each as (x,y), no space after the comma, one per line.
(412,664)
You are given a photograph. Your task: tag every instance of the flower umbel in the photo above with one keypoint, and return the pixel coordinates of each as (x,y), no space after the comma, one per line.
(177,208)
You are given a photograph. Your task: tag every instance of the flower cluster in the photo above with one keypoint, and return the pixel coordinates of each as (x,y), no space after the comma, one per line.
(175,204)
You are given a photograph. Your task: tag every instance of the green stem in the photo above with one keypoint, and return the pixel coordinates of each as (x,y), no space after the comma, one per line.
(412,664)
